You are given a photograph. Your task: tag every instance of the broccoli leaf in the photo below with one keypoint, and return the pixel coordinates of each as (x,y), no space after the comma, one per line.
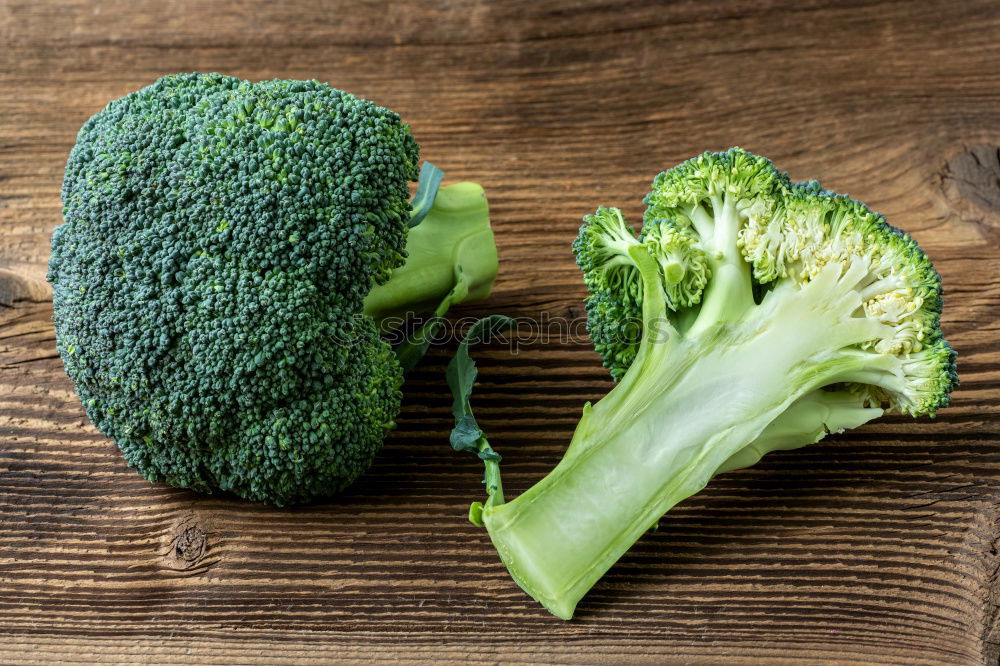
(467,435)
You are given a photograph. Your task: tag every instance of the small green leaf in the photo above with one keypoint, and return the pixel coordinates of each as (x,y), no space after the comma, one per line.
(461,374)
(467,435)
(487,453)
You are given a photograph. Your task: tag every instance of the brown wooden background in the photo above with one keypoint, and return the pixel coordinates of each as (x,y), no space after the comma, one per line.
(878,546)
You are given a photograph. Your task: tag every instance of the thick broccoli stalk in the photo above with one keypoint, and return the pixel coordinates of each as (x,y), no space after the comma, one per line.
(451,259)
(213,280)
(816,317)
(450,253)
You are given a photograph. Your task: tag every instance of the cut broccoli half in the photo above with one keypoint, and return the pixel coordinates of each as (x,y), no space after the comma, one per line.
(760,315)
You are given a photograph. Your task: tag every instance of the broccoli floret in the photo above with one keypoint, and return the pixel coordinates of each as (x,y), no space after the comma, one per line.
(771,313)
(221,238)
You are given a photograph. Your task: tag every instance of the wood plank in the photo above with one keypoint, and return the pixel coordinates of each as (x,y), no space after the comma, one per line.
(877,546)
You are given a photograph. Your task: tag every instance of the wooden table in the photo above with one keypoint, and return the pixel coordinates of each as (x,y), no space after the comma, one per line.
(878,546)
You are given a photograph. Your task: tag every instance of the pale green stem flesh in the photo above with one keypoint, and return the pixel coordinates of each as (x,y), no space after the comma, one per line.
(729,294)
(673,273)
(452,244)
(648,444)
(808,420)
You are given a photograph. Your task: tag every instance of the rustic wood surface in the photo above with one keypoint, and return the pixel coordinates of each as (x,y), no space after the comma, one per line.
(877,546)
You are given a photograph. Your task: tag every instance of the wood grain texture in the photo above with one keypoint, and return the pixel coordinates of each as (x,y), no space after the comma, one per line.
(877,546)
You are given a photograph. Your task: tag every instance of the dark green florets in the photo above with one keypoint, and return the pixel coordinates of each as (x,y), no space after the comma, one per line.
(614,308)
(219,239)
(615,328)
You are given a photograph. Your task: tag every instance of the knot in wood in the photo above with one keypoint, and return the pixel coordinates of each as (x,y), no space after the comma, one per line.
(971,184)
(188,547)
(191,544)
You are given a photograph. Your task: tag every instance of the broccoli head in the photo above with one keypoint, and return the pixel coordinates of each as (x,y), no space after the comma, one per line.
(211,280)
(750,314)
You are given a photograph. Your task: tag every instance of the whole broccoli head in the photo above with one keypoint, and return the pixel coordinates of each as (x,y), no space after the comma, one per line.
(209,283)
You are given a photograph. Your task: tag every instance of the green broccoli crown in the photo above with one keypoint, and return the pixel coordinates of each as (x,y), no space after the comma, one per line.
(719,215)
(682,261)
(220,238)
(602,248)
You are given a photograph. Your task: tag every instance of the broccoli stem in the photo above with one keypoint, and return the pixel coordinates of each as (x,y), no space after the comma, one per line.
(493,483)
(561,536)
(730,293)
(810,419)
(451,258)
(645,446)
